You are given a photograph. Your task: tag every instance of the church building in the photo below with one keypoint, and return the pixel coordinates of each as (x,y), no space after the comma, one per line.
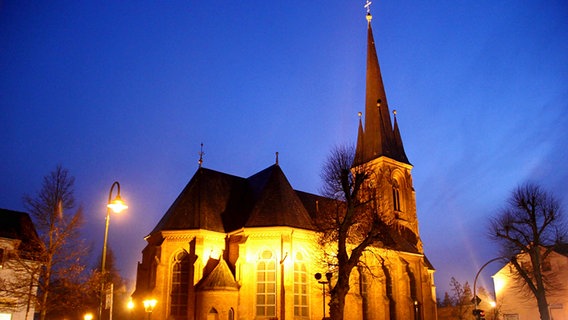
(247,248)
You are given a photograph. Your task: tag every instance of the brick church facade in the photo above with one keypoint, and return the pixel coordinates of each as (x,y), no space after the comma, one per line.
(234,247)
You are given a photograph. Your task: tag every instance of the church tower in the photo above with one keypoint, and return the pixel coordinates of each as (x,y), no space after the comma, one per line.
(380,148)
(247,248)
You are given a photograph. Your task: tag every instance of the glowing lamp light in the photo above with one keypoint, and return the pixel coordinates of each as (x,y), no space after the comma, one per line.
(117,205)
(149,305)
(493,304)
(88,316)
(130,304)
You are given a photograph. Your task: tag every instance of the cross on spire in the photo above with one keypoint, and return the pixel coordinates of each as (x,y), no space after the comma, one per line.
(368,6)
(201,153)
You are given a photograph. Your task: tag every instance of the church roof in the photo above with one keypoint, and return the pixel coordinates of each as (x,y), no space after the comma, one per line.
(276,203)
(208,196)
(377,137)
(221,202)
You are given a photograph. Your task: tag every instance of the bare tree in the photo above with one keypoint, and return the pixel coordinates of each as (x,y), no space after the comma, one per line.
(459,304)
(531,224)
(61,248)
(461,299)
(353,221)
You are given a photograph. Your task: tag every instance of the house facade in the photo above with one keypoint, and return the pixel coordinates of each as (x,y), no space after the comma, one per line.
(19,266)
(517,303)
(234,247)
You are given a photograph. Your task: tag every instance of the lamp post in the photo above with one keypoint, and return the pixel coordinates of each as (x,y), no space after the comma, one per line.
(116,205)
(149,305)
(475,299)
(328,276)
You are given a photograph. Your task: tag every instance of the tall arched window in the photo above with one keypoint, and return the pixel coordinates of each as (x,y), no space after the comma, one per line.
(300,287)
(266,285)
(413,293)
(396,196)
(153,270)
(389,293)
(231,315)
(364,289)
(180,285)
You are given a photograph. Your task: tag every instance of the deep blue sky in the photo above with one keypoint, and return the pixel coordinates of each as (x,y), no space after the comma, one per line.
(127,91)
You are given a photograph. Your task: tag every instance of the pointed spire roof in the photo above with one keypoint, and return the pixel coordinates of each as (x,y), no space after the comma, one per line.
(398,141)
(377,138)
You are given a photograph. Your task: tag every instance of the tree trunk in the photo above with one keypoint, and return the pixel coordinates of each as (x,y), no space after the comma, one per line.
(542,305)
(338,294)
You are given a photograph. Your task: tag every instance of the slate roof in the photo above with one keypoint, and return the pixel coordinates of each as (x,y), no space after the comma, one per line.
(276,203)
(221,202)
(201,204)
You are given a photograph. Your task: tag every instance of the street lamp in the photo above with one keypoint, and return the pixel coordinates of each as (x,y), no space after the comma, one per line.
(328,276)
(116,205)
(130,306)
(476,299)
(149,305)
(88,316)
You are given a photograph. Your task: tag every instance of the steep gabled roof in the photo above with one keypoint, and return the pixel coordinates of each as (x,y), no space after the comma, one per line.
(220,278)
(275,201)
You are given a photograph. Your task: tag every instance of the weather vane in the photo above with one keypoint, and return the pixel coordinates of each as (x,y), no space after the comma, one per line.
(368,6)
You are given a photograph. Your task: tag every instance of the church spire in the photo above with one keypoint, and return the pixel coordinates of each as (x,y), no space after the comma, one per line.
(398,141)
(377,137)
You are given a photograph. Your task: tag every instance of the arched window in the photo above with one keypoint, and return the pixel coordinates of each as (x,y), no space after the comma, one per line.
(231,315)
(364,290)
(180,285)
(396,196)
(389,293)
(266,285)
(413,293)
(300,287)
(153,270)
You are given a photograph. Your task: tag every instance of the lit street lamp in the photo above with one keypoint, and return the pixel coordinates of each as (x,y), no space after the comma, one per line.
(149,305)
(328,276)
(116,205)
(478,312)
(130,306)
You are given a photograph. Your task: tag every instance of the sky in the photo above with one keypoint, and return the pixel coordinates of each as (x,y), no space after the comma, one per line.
(128,90)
